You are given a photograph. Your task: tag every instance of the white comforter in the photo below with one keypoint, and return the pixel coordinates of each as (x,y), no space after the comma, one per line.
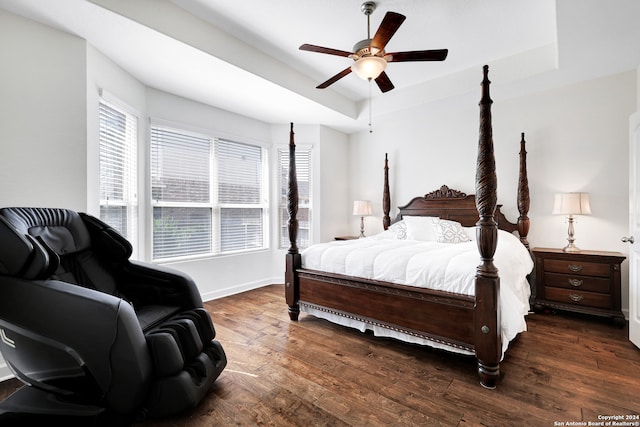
(444,266)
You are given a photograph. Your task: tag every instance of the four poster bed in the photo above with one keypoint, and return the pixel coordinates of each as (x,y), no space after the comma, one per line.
(475,317)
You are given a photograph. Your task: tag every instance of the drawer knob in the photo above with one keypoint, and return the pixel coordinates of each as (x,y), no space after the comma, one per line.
(576,283)
(576,297)
(575,267)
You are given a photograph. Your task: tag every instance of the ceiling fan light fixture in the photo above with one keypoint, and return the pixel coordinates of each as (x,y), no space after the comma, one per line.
(369,67)
(369,56)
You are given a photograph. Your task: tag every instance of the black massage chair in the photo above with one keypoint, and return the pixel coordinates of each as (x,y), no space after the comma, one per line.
(97,339)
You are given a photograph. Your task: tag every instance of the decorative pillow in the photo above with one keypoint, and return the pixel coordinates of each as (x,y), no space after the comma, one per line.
(399,229)
(420,228)
(449,231)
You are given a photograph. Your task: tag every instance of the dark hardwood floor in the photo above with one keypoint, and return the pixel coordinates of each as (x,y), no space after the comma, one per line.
(566,368)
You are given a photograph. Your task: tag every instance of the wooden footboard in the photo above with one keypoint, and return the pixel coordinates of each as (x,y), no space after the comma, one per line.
(437,316)
(465,322)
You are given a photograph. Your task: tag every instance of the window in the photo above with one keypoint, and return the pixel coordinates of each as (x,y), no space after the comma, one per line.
(303,172)
(240,196)
(208,195)
(181,193)
(118,171)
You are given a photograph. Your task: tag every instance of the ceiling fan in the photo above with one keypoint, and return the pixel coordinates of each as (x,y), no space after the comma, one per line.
(370,58)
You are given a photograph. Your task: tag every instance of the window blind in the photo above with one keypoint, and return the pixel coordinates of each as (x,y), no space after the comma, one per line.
(180,166)
(181,193)
(240,195)
(118,130)
(181,231)
(303,172)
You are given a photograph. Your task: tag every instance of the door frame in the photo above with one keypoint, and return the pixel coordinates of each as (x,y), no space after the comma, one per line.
(634,228)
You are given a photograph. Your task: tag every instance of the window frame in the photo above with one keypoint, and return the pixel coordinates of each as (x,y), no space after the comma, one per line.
(262,204)
(130,180)
(214,205)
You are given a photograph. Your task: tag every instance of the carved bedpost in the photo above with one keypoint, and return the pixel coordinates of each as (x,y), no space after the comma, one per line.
(293,258)
(487,333)
(386,198)
(523,195)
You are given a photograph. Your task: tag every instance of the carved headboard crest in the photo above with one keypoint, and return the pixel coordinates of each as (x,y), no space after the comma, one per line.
(445,192)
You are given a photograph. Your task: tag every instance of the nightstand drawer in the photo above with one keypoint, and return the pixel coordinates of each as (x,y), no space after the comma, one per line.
(578,283)
(569,296)
(577,267)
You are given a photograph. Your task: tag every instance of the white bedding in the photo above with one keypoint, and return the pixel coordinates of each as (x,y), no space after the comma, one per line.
(445,266)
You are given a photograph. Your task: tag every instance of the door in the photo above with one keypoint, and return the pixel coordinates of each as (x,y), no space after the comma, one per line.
(634,229)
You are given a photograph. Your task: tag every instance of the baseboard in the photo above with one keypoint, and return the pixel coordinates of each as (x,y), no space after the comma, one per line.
(221,293)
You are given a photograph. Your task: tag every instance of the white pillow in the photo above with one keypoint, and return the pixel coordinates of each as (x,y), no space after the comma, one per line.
(471,232)
(449,231)
(398,229)
(420,228)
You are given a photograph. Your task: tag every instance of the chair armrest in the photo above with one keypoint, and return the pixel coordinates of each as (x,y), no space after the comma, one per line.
(150,284)
(141,283)
(61,330)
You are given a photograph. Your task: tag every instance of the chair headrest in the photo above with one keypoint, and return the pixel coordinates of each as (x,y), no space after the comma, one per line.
(61,229)
(21,255)
(107,241)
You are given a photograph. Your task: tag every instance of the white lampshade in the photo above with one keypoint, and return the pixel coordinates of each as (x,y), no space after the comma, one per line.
(362,207)
(571,204)
(369,67)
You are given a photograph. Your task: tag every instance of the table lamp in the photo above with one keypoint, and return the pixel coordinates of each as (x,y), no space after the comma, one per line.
(571,204)
(361,208)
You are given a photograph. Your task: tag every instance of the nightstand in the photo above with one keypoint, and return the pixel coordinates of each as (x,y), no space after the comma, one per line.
(585,282)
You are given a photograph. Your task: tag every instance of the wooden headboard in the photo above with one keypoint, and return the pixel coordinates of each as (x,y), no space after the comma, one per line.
(453,205)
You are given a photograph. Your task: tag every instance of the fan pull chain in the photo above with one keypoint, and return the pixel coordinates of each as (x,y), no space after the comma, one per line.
(370,108)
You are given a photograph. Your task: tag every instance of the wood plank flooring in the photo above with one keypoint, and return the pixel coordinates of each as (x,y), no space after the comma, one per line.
(565,368)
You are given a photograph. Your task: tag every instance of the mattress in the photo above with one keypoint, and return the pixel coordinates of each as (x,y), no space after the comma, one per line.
(449,267)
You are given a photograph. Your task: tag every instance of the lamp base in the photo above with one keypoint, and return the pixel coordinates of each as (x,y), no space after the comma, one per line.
(361,228)
(571,248)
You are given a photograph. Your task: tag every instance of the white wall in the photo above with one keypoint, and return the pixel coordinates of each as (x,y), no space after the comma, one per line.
(638,88)
(42,116)
(332,171)
(577,140)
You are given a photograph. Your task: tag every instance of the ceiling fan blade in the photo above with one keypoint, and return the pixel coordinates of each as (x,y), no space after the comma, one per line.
(384,83)
(387,29)
(334,79)
(327,50)
(418,55)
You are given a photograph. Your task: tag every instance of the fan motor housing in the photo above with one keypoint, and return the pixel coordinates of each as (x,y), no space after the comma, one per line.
(364,48)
